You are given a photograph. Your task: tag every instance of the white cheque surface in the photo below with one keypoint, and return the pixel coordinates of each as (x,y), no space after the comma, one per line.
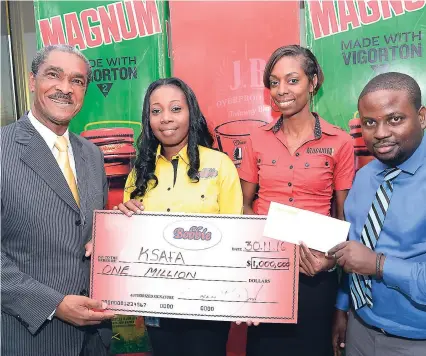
(197,266)
(294,225)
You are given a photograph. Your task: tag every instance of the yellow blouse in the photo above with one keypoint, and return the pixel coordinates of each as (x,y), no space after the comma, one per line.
(217,192)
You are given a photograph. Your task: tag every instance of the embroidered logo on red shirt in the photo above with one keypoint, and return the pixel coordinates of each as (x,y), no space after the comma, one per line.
(321,150)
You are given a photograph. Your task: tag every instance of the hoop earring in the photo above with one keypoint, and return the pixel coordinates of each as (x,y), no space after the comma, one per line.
(272,105)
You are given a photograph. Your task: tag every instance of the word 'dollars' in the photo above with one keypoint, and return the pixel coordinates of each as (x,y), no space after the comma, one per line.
(194,233)
(93,27)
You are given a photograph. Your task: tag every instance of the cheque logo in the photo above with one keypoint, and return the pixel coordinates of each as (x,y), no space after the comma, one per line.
(192,235)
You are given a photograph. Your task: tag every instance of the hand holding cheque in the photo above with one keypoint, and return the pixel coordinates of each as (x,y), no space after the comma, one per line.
(133,206)
(82,311)
(313,262)
(355,257)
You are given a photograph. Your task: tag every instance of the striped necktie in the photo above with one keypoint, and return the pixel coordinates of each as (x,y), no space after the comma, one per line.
(360,286)
(64,163)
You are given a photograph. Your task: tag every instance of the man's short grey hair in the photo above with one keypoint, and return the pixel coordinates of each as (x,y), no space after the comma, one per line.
(43,53)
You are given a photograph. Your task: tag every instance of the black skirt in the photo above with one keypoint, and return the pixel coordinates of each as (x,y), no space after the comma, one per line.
(311,336)
(180,337)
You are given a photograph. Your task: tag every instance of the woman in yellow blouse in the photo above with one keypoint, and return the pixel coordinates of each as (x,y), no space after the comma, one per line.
(177,171)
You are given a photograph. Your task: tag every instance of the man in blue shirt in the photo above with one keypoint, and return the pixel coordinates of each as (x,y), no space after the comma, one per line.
(384,290)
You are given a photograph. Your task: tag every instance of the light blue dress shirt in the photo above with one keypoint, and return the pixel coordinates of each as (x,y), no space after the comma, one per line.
(399,300)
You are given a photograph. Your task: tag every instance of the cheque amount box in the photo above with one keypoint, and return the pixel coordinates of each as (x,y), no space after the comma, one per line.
(197,266)
(269,263)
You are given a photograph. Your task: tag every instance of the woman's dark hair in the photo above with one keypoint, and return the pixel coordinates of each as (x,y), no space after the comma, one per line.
(147,143)
(310,64)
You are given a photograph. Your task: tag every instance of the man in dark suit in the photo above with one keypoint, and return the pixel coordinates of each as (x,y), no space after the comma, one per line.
(52,180)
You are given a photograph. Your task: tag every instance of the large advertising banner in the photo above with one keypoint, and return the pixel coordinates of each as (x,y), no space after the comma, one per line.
(357,40)
(220,48)
(127,44)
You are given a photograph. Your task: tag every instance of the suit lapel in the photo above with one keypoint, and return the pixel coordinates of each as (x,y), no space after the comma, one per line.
(41,160)
(80,159)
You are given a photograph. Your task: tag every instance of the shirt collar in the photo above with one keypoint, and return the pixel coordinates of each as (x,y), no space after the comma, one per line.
(320,126)
(48,135)
(412,164)
(183,154)
(274,125)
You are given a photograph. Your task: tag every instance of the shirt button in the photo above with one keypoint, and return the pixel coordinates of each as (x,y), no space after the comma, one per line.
(291,167)
(78,222)
(168,209)
(169,188)
(327,164)
(306,164)
(202,197)
(297,154)
(290,200)
(289,184)
(274,161)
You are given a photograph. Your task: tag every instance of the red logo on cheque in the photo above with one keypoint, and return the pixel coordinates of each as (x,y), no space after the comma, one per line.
(194,233)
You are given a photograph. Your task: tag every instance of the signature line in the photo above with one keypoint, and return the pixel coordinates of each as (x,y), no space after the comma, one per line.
(228,301)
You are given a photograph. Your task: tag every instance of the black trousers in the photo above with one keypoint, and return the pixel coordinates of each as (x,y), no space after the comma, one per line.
(180,337)
(311,336)
(93,345)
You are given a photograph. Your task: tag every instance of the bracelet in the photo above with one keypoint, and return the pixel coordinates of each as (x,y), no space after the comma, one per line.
(379,271)
(382,265)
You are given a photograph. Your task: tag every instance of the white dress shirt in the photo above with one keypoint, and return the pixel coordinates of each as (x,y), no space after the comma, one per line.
(50,137)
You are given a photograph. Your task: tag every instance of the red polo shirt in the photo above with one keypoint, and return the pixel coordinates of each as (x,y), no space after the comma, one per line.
(306,179)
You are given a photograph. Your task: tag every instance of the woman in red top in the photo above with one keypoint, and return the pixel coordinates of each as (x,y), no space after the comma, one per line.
(302,161)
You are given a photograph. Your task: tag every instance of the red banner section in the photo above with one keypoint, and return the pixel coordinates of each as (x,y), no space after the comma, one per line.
(220,49)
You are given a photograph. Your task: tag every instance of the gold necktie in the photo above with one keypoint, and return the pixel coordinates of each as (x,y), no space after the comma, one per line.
(64,163)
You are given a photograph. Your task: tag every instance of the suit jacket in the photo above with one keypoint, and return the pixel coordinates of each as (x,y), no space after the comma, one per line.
(43,236)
